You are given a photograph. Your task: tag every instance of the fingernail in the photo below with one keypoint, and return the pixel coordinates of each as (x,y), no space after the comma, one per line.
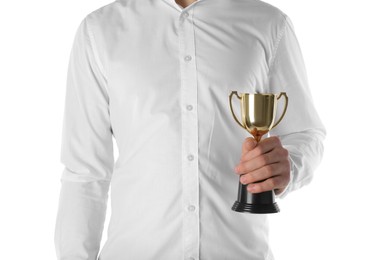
(236,169)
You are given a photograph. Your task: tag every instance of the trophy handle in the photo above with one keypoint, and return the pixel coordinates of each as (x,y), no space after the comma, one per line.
(231,107)
(285,107)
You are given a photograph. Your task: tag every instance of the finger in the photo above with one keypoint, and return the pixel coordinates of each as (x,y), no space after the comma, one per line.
(248,144)
(277,182)
(255,163)
(262,147)
(276,155)
(263,173)
(281,168)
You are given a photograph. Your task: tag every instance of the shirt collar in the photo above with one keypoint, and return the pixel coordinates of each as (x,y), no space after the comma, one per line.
(173,3)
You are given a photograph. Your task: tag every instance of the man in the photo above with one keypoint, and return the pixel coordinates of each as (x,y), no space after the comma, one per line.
(156,76)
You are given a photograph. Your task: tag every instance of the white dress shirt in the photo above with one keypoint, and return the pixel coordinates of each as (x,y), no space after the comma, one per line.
(155,77)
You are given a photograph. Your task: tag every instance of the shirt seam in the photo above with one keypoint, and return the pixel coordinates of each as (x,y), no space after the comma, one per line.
(95,52)
(277,41)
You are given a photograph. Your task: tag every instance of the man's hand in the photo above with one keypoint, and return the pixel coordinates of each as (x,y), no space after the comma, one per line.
(266,163)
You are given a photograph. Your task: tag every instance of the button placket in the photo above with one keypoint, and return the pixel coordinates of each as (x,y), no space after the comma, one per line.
(189,135)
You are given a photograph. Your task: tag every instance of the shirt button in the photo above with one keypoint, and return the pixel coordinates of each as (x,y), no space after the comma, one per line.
(190,157)
(185,14)
(187,58)
(191,208)
(189,107)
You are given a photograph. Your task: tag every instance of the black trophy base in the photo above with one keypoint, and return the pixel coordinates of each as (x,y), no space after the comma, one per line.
(255,208)
(257,203)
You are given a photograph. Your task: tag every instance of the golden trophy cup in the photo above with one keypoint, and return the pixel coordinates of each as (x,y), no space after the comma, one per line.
(258,112)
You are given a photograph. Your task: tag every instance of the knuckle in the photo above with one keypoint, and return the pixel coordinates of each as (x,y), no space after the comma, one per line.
(249,178)
(243,167)
(281,152)
(258,150)
(262,186)
(265,159)
(268,170)
(247,141)
(256,175)
(272,182)
(285,152)
(255,188)
(277,141)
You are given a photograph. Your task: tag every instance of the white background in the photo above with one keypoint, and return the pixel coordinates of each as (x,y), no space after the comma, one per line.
(343,214)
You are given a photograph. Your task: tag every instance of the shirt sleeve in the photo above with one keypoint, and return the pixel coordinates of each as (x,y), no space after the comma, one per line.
(86,153)
(301,131)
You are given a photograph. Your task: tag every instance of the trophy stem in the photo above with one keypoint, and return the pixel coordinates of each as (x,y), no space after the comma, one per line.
(257,135)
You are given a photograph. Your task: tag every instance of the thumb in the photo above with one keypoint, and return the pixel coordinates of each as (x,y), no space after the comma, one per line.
(248,144)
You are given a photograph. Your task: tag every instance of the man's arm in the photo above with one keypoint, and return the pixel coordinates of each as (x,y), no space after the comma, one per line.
(301,132)
(288,160)
(86,153)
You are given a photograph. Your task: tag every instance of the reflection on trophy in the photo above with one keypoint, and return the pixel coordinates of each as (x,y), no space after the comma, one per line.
(258,113)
